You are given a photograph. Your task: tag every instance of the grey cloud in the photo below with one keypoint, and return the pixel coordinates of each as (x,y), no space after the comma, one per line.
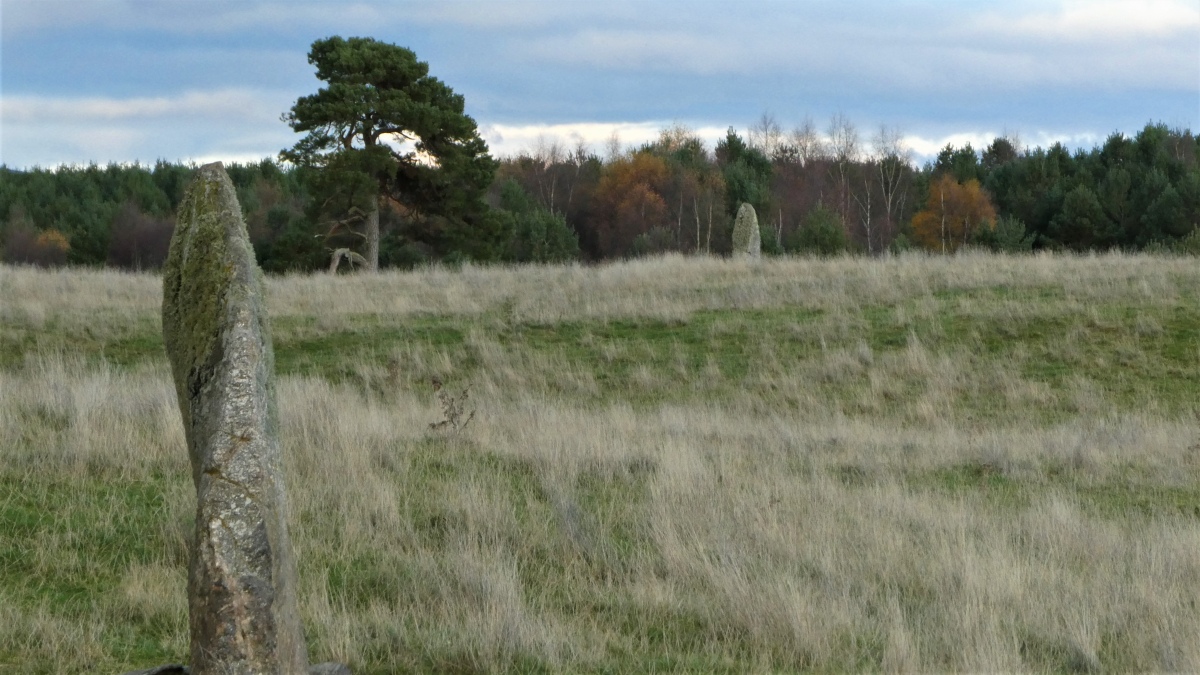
(25,18)
(937,52)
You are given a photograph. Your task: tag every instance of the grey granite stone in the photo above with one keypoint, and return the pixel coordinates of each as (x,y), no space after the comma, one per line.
(242,577)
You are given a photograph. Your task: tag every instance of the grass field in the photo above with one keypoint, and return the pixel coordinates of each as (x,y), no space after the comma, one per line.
(974,463)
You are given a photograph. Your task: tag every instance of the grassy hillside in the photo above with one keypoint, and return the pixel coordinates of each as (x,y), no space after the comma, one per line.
(968,463)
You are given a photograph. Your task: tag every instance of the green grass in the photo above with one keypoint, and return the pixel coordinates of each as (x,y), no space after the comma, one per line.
(1127,366)
(1133,352)
(1157,366)
(67,543)
(1116,499)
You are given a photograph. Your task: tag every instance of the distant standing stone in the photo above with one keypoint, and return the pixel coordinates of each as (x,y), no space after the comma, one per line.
(747,240)
(242,578)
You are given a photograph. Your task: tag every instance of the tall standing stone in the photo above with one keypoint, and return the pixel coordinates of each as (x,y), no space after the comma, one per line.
(242,577)
(747,240)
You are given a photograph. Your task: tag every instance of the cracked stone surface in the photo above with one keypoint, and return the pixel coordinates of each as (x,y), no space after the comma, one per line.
(242,576)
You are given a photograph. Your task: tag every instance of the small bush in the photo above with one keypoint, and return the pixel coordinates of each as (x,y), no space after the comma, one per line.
(821,233)
(455,416)
(535,234)
(1189,245)
(406,256)
(901,244)
(656,240)
(1008,235)
(770,245)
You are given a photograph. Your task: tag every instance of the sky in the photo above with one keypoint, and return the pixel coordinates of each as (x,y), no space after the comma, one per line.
(125,81)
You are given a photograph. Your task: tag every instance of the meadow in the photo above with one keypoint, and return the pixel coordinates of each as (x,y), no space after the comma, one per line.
(914,463)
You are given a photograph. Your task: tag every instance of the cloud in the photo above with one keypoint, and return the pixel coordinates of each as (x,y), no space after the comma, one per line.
(645,49)
(519,14)
(926,148)
(505,140)
(1089,44)
(904,51)
(24,18)
(512,140)
(1103,21)
(231,104)
(232,124)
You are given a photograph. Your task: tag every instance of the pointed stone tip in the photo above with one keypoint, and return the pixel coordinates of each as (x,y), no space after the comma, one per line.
(213,165)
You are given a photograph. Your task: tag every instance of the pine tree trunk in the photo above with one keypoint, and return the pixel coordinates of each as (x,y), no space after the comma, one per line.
(373,237)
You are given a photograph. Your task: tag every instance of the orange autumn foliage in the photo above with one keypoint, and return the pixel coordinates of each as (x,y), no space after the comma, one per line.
(953,213)
(53,241)
(630,193)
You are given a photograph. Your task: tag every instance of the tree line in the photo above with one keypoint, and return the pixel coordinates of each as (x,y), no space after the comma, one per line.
(391,172)
(555,203)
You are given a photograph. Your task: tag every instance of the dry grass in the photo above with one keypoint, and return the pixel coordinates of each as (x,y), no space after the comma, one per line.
(671,287)
(799,465)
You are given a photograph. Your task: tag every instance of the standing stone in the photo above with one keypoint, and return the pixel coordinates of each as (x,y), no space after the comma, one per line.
(242,577)
(747,240)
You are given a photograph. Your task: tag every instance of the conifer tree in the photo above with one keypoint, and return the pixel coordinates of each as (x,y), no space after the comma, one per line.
(384,129)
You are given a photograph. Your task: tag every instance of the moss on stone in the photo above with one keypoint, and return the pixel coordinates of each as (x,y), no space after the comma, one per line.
(198,276)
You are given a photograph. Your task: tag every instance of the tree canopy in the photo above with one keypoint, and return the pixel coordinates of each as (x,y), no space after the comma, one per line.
(383,131)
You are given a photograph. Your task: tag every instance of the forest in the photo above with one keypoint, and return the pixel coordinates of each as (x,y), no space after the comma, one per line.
(816,191)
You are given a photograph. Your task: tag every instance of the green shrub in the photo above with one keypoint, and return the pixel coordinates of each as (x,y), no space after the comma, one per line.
(1189,245)
(535,234)
(821,233)
(656,240)
(901,244)
(1008,235)
(770,245)
(406,256)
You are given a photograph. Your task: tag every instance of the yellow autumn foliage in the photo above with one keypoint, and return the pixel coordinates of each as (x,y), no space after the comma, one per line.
(953,213)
